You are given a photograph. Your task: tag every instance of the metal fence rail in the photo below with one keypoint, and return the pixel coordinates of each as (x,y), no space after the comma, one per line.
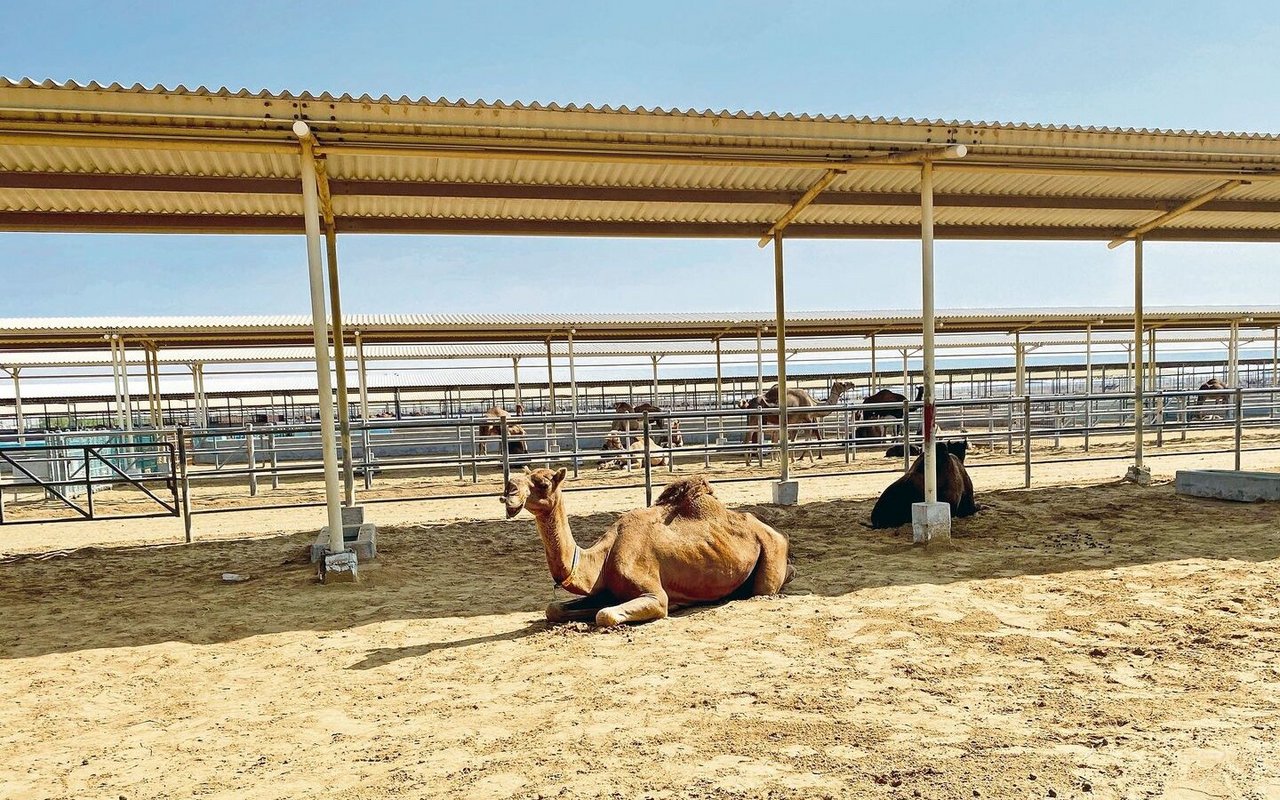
(55,470)
(1029,430)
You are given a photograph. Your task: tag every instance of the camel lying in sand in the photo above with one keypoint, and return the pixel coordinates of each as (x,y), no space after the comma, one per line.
(686,548)
(954,488)
(631,456)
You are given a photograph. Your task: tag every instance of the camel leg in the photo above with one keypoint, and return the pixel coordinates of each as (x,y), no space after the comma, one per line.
(578,609)
(644,608)
(773,571)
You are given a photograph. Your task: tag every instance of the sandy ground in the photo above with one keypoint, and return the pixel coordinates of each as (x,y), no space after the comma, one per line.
(1095,640)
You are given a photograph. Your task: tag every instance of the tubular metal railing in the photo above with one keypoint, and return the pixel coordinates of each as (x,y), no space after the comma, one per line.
(1066,427)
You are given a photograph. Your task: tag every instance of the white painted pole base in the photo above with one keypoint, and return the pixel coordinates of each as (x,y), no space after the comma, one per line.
(786,493)
(930,522)
(339,568)
(1138,475)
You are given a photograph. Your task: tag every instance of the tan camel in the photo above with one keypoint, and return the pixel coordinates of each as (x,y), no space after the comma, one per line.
(686,548)
(633,456)
(493,430)
(799,421)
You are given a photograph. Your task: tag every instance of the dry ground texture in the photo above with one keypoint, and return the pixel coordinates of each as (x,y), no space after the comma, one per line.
(1091,641)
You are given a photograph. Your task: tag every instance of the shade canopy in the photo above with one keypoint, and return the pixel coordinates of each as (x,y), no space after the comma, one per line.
(93,158)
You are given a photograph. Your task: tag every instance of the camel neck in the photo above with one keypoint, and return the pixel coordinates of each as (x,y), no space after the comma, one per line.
(553,526)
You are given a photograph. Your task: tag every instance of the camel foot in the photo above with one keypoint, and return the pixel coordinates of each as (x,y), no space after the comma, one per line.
(791,573)
(644,608)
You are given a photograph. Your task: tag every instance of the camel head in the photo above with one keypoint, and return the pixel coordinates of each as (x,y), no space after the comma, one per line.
(838,389)
(535,490)
(611,442)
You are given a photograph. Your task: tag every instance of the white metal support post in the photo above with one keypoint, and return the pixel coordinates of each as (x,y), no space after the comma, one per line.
(573,401)
(759,362)
(871,385)
(930,520)
(126,399)
(1233,357)
(656,399)
(785,491)
(1088,383)
(719,395)
(117,379)
(553,443)
(362,375)
(1019,365)
(320,337)
(515,372)
(1153,378)
(204,398)
(339,337)
(18,423)
(1138,473)
(1275,356)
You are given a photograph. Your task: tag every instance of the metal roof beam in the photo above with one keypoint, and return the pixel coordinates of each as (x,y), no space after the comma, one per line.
(1190,205)
(346,187)
(129,222)
(799,205)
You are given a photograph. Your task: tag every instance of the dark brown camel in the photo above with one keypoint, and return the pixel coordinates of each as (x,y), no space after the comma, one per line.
(954,487)
(629,425)
(894,413)
(1210,396)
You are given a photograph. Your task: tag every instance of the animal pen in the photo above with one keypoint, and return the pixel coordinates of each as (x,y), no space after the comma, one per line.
(117,159)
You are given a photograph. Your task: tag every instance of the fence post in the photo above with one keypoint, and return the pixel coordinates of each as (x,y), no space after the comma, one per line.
(706,438)
(457,436)
(906,436)
(1026,441)
(506,452)
(760,438)
(186,483)
(1008,424)
(471,435)
(1160,418)
(251,458)
(88,481)
(1239,423)
(367,452)
(848,438)
(1088,416)
(648,464)
(275,460)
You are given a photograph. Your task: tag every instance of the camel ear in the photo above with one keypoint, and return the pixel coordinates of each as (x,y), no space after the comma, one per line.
(559,478)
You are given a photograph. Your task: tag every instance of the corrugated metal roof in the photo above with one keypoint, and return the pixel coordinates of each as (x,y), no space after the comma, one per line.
(366,99)
(141,159)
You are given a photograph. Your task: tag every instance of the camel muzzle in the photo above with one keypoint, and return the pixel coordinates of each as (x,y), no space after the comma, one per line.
(513,505)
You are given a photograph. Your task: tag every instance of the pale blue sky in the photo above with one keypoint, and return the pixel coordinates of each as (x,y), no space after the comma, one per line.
(1156,64)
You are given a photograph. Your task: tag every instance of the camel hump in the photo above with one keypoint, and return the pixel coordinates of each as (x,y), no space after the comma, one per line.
(684,494)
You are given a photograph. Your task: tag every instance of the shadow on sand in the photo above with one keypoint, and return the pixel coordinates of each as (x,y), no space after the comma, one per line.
(129,597)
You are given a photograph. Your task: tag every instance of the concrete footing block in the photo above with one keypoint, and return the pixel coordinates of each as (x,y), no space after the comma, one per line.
(1138,475)
(930,522)
(359,536)
(339,568)
(786,493)
(1225,484)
